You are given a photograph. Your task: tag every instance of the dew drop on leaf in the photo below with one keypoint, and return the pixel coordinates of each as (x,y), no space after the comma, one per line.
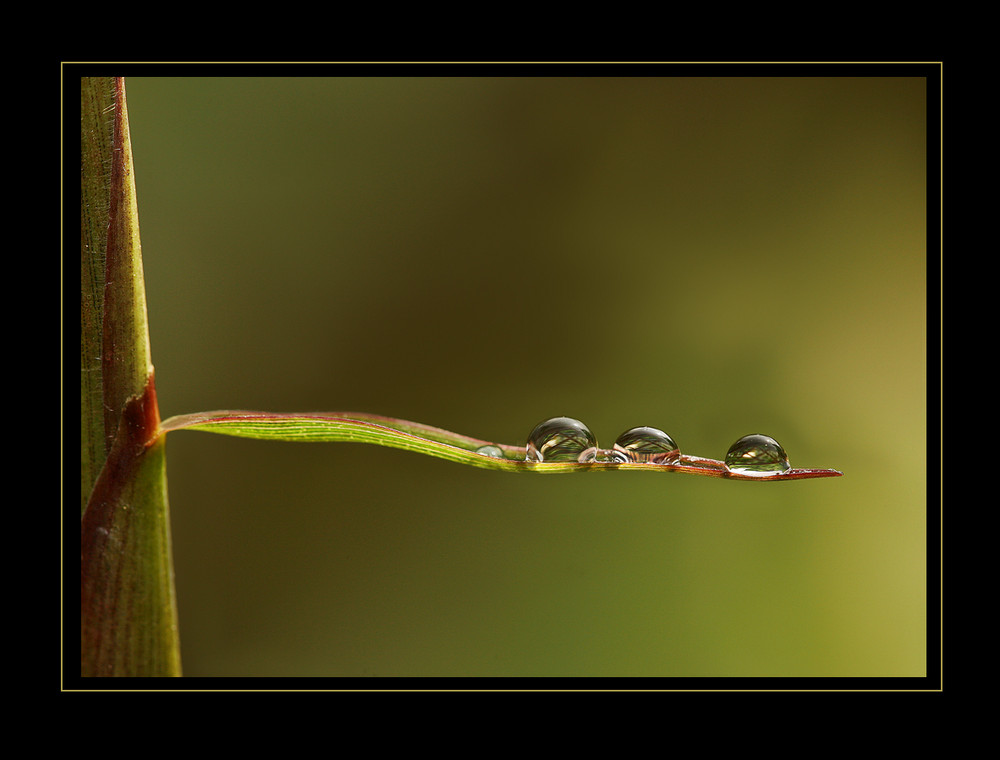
(491,451)
(561,439)
(647,444)
(757,455)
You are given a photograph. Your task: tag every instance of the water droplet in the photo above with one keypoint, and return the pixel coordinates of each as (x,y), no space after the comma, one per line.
(595,454)
(757,455)
(560,439)
(647,444)
(491,451)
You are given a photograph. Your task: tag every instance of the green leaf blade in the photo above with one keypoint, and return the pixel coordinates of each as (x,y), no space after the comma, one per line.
(360,427)
(350,427)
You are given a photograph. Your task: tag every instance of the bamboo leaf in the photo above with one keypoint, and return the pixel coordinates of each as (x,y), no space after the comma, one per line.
(361,427)
(352,427)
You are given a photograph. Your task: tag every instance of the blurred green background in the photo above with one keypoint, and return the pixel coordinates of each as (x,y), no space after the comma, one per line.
(713,257)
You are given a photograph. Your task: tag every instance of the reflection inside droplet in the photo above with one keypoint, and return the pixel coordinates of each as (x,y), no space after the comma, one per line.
(595,454)
(757,455)
(560,439)
(647,444)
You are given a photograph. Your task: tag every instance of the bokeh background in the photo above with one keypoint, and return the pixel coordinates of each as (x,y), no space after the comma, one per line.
(713,257)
